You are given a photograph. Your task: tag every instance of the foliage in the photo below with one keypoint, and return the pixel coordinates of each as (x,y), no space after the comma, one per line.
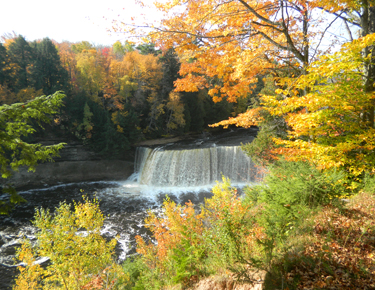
(14,126)
(329,126)
(225,46)
(299,183)
(80,257)
(91,72)
(230,232)
(189,244)
(289,194)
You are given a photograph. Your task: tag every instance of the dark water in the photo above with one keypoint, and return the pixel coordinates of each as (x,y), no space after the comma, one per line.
(125,204)
(173,169)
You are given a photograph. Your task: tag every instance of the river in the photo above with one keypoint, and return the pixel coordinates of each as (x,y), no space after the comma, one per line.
(184,172)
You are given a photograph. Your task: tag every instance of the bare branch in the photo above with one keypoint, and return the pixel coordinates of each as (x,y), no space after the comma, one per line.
(324,32)
(252,10)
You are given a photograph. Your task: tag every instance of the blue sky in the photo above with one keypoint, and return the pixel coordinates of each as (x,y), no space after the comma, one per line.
(72,20)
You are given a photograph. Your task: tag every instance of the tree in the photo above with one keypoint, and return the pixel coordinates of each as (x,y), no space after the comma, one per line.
(47,72)
(68,61)
(327,126)
(225,45)
(81,46)
(92,74)
(14,126)
(5,66)
(21,55)
(120,50)
(175,111)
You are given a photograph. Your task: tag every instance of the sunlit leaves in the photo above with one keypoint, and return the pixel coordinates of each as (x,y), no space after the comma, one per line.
(330,125)
(232,41)
(71,239)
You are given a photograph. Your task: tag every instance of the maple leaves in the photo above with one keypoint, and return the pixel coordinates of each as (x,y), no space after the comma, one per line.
(224,45)
(329,126)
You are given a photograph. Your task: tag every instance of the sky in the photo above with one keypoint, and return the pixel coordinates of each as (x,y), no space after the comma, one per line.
(71,20)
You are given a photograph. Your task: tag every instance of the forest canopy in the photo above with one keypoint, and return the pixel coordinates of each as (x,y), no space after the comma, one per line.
(115,95)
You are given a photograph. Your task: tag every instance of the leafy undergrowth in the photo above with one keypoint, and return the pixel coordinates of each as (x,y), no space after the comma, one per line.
(293,228)
(341,254)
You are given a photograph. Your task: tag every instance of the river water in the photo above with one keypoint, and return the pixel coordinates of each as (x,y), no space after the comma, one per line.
(124,205)
(184,172)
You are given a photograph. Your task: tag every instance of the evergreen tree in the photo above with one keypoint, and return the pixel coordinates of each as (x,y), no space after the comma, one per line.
(47,72)
(21,55)
(5,68)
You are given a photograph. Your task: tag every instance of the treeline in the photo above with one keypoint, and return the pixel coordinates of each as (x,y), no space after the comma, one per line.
(115,95)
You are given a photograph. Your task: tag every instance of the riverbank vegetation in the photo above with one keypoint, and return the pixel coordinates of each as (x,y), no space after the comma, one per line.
(302,229)
(80,258)
(295,227)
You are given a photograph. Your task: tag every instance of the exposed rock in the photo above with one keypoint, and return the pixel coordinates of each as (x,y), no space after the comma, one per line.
(76,164)
(48,174)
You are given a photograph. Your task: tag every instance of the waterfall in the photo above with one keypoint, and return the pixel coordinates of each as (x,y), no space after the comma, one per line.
(193,167)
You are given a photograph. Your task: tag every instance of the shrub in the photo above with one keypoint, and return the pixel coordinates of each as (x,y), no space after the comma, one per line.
(189,244)
(80,257)
(298,183)
(291,192)
(163,258)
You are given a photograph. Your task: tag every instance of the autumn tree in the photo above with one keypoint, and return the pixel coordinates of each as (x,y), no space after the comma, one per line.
(225,45)
(175,112)
(120,49)
(91,72)
(68,61)
(81,46)
(137,77)
(330,130)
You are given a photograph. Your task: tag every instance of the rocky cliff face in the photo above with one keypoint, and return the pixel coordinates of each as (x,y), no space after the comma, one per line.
(76,164)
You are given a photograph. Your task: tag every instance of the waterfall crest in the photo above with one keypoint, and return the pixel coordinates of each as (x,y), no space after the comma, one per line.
(193,167)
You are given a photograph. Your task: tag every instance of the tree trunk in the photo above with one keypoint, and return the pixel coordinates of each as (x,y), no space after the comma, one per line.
(368,27)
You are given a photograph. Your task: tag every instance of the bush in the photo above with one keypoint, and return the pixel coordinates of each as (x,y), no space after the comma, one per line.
(189,243)
(298,183)
(80,257)
(291,192)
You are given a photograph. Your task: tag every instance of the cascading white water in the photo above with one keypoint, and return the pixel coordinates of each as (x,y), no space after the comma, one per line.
(193,167)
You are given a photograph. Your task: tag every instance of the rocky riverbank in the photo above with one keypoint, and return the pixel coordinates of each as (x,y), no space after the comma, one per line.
(75,164)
